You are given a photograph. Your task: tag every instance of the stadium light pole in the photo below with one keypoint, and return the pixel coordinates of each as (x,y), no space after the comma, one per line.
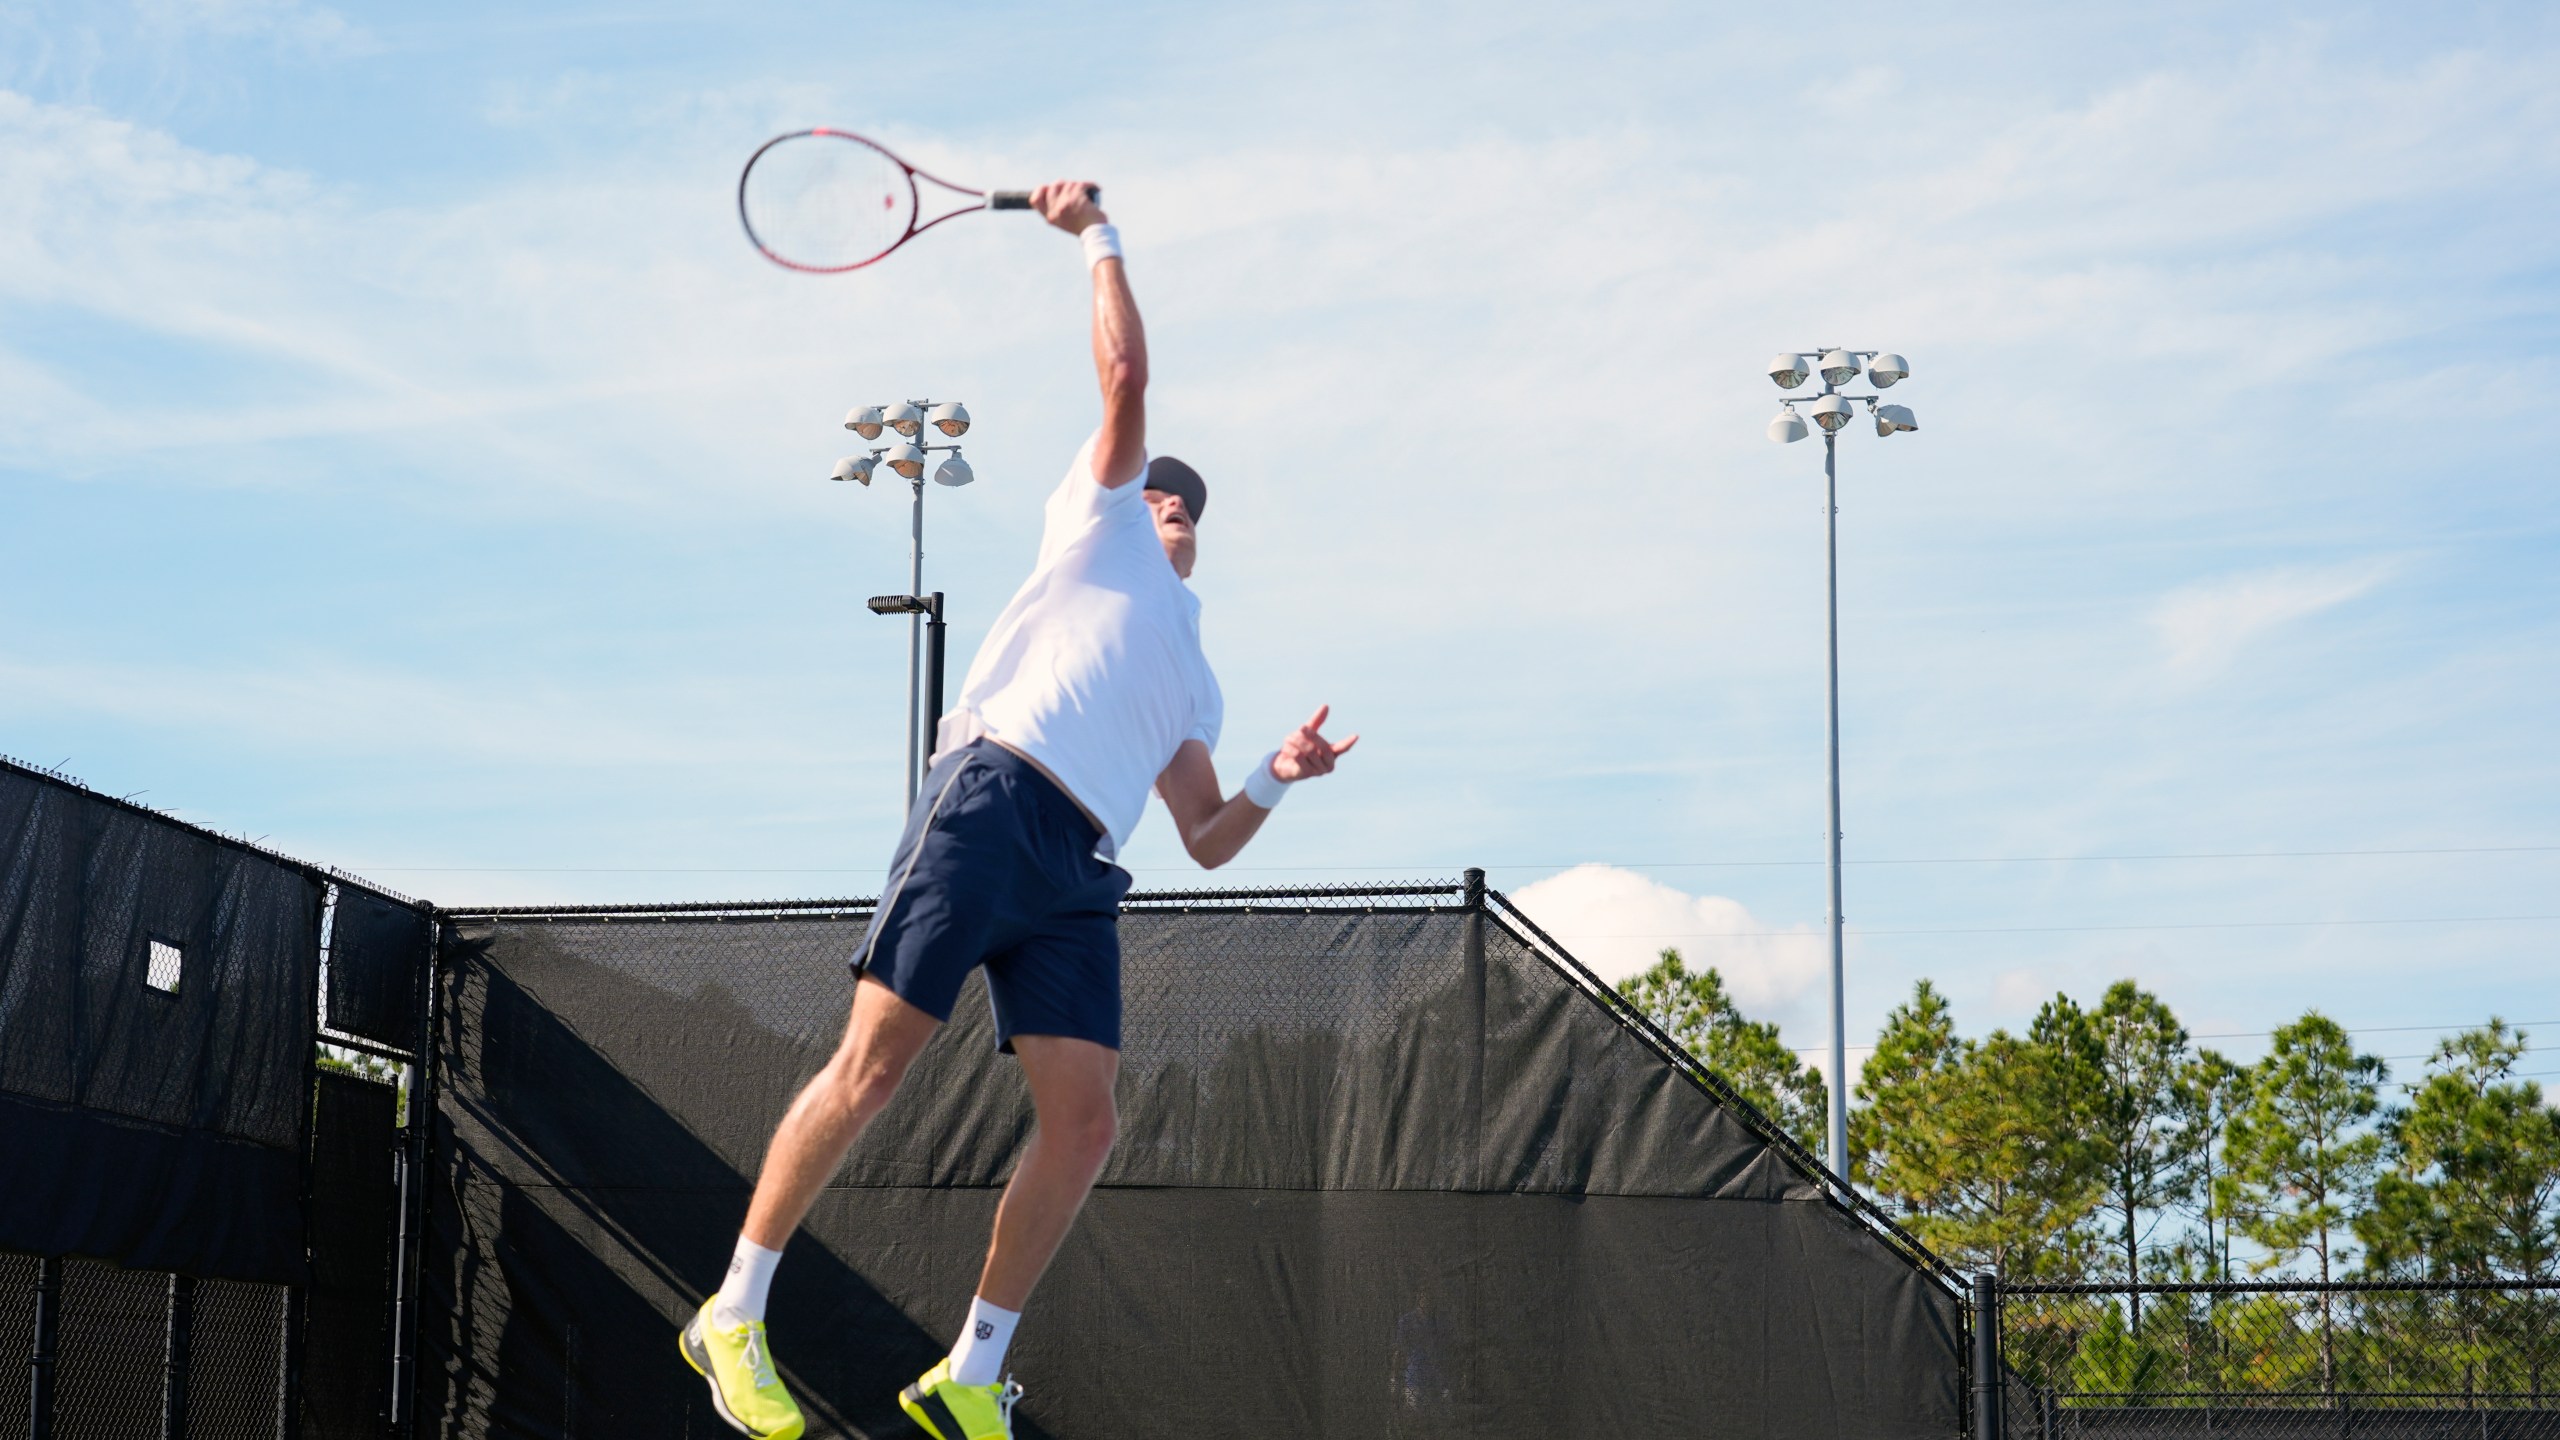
(906,457)
(1832,411)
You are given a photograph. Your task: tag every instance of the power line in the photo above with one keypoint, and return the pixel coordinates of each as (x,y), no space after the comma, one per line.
(2370,1030)
(1978,859)
(634,869)
(2081,859)
(1514,865)
(2263,1034)
(1802,932)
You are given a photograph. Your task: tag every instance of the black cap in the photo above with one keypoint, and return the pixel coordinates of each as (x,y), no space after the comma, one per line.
(1175,478)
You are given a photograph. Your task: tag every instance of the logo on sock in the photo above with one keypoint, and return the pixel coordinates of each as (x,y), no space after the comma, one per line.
(986,1331)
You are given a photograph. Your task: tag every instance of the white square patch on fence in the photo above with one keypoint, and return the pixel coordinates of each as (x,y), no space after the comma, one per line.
(167,961)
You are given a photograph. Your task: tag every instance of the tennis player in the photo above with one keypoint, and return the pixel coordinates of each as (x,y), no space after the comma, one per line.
(1090,689)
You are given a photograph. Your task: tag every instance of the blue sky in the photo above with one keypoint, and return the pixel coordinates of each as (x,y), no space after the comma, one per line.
(407,461)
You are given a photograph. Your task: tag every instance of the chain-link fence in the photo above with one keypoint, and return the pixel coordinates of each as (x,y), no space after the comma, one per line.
(125,1353)
(1457,1184)
(2475,1360)
(197,1229)
(109,1316)
(116,1352)
(128,1352)
(1442,1180)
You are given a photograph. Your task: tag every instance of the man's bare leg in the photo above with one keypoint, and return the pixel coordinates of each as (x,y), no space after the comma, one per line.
(881,1040)
(1071,1083)
(725,1341)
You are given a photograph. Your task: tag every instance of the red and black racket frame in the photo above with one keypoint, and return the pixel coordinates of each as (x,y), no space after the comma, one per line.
(996,200)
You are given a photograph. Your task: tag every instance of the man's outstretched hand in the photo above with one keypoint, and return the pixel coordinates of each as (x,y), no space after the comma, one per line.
(1068,204)
(1306,753)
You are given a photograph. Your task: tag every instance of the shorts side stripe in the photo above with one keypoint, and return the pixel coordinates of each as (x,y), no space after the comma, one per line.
(871,937)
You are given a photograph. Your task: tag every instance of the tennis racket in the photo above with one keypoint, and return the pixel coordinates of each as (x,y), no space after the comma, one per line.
(826,201)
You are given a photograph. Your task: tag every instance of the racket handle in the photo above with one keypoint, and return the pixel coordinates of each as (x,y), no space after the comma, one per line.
(1021,199)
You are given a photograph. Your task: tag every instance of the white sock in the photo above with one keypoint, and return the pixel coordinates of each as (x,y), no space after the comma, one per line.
(741,1297)
(979,1357)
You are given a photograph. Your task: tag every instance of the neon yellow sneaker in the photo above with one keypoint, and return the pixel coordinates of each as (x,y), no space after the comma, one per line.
(745,1390)
(949,1410)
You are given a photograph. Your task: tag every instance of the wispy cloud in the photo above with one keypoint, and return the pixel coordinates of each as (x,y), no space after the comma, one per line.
(1475,381)
(2204,627)
(357,710)
(316,30)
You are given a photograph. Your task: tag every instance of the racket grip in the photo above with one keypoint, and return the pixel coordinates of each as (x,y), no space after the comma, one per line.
(1021,199)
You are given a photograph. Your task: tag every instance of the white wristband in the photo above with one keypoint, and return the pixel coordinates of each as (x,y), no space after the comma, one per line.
(1101,242)
(1264,788)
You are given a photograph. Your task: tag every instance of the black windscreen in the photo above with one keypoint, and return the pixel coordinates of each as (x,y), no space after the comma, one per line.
(157,1016)
(1384,1172)
(378,953)
(346,1378)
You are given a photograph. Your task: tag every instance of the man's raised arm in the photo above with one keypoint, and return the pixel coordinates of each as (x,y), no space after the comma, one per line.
(1119,341)
(1214,829)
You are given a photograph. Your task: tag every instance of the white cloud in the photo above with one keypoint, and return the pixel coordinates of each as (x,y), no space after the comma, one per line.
(2203,627)
(314,29)
(353,709)
(1618,922)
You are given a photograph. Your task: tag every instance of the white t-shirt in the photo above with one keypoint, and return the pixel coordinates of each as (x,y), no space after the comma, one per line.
(1094,669)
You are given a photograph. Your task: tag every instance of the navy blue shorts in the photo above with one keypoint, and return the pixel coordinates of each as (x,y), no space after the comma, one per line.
(997,869)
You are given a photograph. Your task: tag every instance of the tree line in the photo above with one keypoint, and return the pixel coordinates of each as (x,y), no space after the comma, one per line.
(2104,1144)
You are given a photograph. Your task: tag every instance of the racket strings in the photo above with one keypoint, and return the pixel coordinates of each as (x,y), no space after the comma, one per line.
(827,202)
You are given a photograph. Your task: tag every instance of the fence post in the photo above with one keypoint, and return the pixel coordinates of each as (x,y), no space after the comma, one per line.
(1473,933)
(403,1164)
(416,1159)
(176,1356)
(40,1362)
(289,1368)
(935,633)
(1986,1357)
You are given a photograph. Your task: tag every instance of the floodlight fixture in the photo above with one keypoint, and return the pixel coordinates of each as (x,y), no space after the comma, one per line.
(897,436)
(1832,410)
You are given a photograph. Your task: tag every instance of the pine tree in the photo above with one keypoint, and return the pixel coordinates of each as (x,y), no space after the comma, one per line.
(2068,1092)
(1981,1144)
(1895,1094)
(2472,1192)
(1694,1009)
(2302,1160)
(2143,1118)
(2216,1089)
(2473,1186)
